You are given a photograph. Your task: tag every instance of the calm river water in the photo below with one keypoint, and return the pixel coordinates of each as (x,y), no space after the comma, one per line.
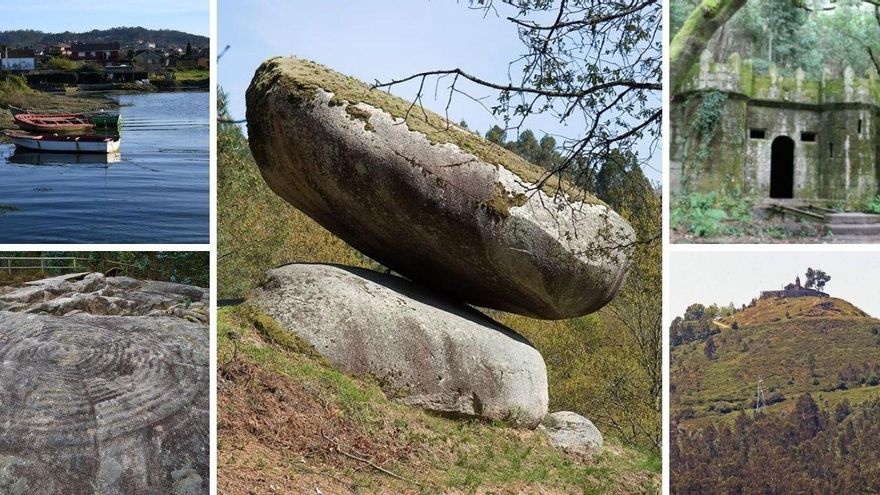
(154,191)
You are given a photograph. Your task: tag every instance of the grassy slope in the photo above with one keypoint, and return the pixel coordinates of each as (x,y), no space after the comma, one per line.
(773,342)
(289,423)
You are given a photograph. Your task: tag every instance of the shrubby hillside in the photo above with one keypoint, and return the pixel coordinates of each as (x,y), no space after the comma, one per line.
(817,363)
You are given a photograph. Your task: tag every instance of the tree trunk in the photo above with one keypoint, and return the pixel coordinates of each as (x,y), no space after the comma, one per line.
(698,29)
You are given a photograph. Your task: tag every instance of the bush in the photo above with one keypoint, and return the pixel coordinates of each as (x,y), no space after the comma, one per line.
(705,214)
(61,63)
(874,205)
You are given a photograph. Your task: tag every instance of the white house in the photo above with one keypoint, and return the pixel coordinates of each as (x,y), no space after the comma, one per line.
(18,60)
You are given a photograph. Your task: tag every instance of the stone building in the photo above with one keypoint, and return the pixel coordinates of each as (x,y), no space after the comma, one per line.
(736,130)
(793,290)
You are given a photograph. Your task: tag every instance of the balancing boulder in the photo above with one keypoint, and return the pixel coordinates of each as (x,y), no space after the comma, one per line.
(431,200)
(424,349)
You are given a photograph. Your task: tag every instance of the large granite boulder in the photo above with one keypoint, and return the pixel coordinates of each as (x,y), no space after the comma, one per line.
(425,350)
(91,403)
(432,201)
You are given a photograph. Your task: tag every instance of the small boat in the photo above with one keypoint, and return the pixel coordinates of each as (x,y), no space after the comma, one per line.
(65,143)
(30,157)
(101,119)
(54,122)
(105,120)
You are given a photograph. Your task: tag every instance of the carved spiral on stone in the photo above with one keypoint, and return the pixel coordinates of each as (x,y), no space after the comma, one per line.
(74,382)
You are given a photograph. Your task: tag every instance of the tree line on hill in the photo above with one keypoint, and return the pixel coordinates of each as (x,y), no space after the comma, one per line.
(126,36)
(807,451)
(185,267)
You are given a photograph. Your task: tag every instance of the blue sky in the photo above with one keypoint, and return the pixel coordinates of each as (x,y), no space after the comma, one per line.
(190,16)
(722,277)
(380,39)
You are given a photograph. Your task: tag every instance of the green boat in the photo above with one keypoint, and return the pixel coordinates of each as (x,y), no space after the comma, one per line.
(104,120)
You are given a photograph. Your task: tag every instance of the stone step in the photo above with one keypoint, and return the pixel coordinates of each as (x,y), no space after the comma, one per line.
(852,219)
(848,229)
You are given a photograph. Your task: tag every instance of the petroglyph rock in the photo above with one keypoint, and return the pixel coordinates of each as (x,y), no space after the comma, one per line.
(98,295)
(91,403)
(434,202)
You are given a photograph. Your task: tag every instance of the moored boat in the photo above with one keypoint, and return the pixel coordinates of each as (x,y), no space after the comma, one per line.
(54,122)
(65,143)
(100,119)
(30,157)
(104,120)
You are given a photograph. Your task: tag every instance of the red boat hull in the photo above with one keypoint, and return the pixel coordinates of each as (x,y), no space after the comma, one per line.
(55,123)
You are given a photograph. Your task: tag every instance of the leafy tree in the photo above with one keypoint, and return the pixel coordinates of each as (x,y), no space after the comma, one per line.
(816,279)
(186,267)
(595,63)
(496,135)
(694,312)
(709,349)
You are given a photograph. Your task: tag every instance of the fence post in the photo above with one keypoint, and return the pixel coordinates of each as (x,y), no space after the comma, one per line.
(74,265)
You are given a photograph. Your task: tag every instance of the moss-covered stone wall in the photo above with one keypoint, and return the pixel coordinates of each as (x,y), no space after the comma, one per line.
(832,122)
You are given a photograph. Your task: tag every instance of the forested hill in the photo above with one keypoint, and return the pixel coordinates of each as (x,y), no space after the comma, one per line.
(126,36)
(816,362)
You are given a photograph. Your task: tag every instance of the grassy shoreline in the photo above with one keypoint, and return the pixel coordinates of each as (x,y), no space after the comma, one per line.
(23,97)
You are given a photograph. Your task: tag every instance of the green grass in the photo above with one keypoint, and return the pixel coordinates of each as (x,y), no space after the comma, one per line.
(193,76)
(436,453)
(15,92)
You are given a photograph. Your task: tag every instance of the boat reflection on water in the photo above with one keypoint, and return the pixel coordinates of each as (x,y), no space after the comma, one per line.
(36,158)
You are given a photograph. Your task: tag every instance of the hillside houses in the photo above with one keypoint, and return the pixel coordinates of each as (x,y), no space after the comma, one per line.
(144,56)
(103,54)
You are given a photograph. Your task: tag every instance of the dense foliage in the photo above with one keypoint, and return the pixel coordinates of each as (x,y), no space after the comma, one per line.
(186,267)
(807,451)
(814,36)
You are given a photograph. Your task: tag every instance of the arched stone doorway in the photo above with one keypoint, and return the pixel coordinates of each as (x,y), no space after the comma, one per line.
(782,168)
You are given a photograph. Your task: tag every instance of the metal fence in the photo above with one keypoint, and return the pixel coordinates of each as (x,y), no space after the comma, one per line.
(62,265)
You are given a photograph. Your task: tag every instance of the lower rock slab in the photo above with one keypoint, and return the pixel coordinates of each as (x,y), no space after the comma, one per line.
(424,349)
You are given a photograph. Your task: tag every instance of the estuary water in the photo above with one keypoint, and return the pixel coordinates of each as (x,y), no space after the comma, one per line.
(156,190)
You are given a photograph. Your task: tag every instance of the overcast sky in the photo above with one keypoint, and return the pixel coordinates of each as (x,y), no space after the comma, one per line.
(53,16)
(380,39)
(722,277)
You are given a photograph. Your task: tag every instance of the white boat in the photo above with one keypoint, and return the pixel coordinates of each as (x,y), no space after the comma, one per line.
(65,144)
(30,157)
